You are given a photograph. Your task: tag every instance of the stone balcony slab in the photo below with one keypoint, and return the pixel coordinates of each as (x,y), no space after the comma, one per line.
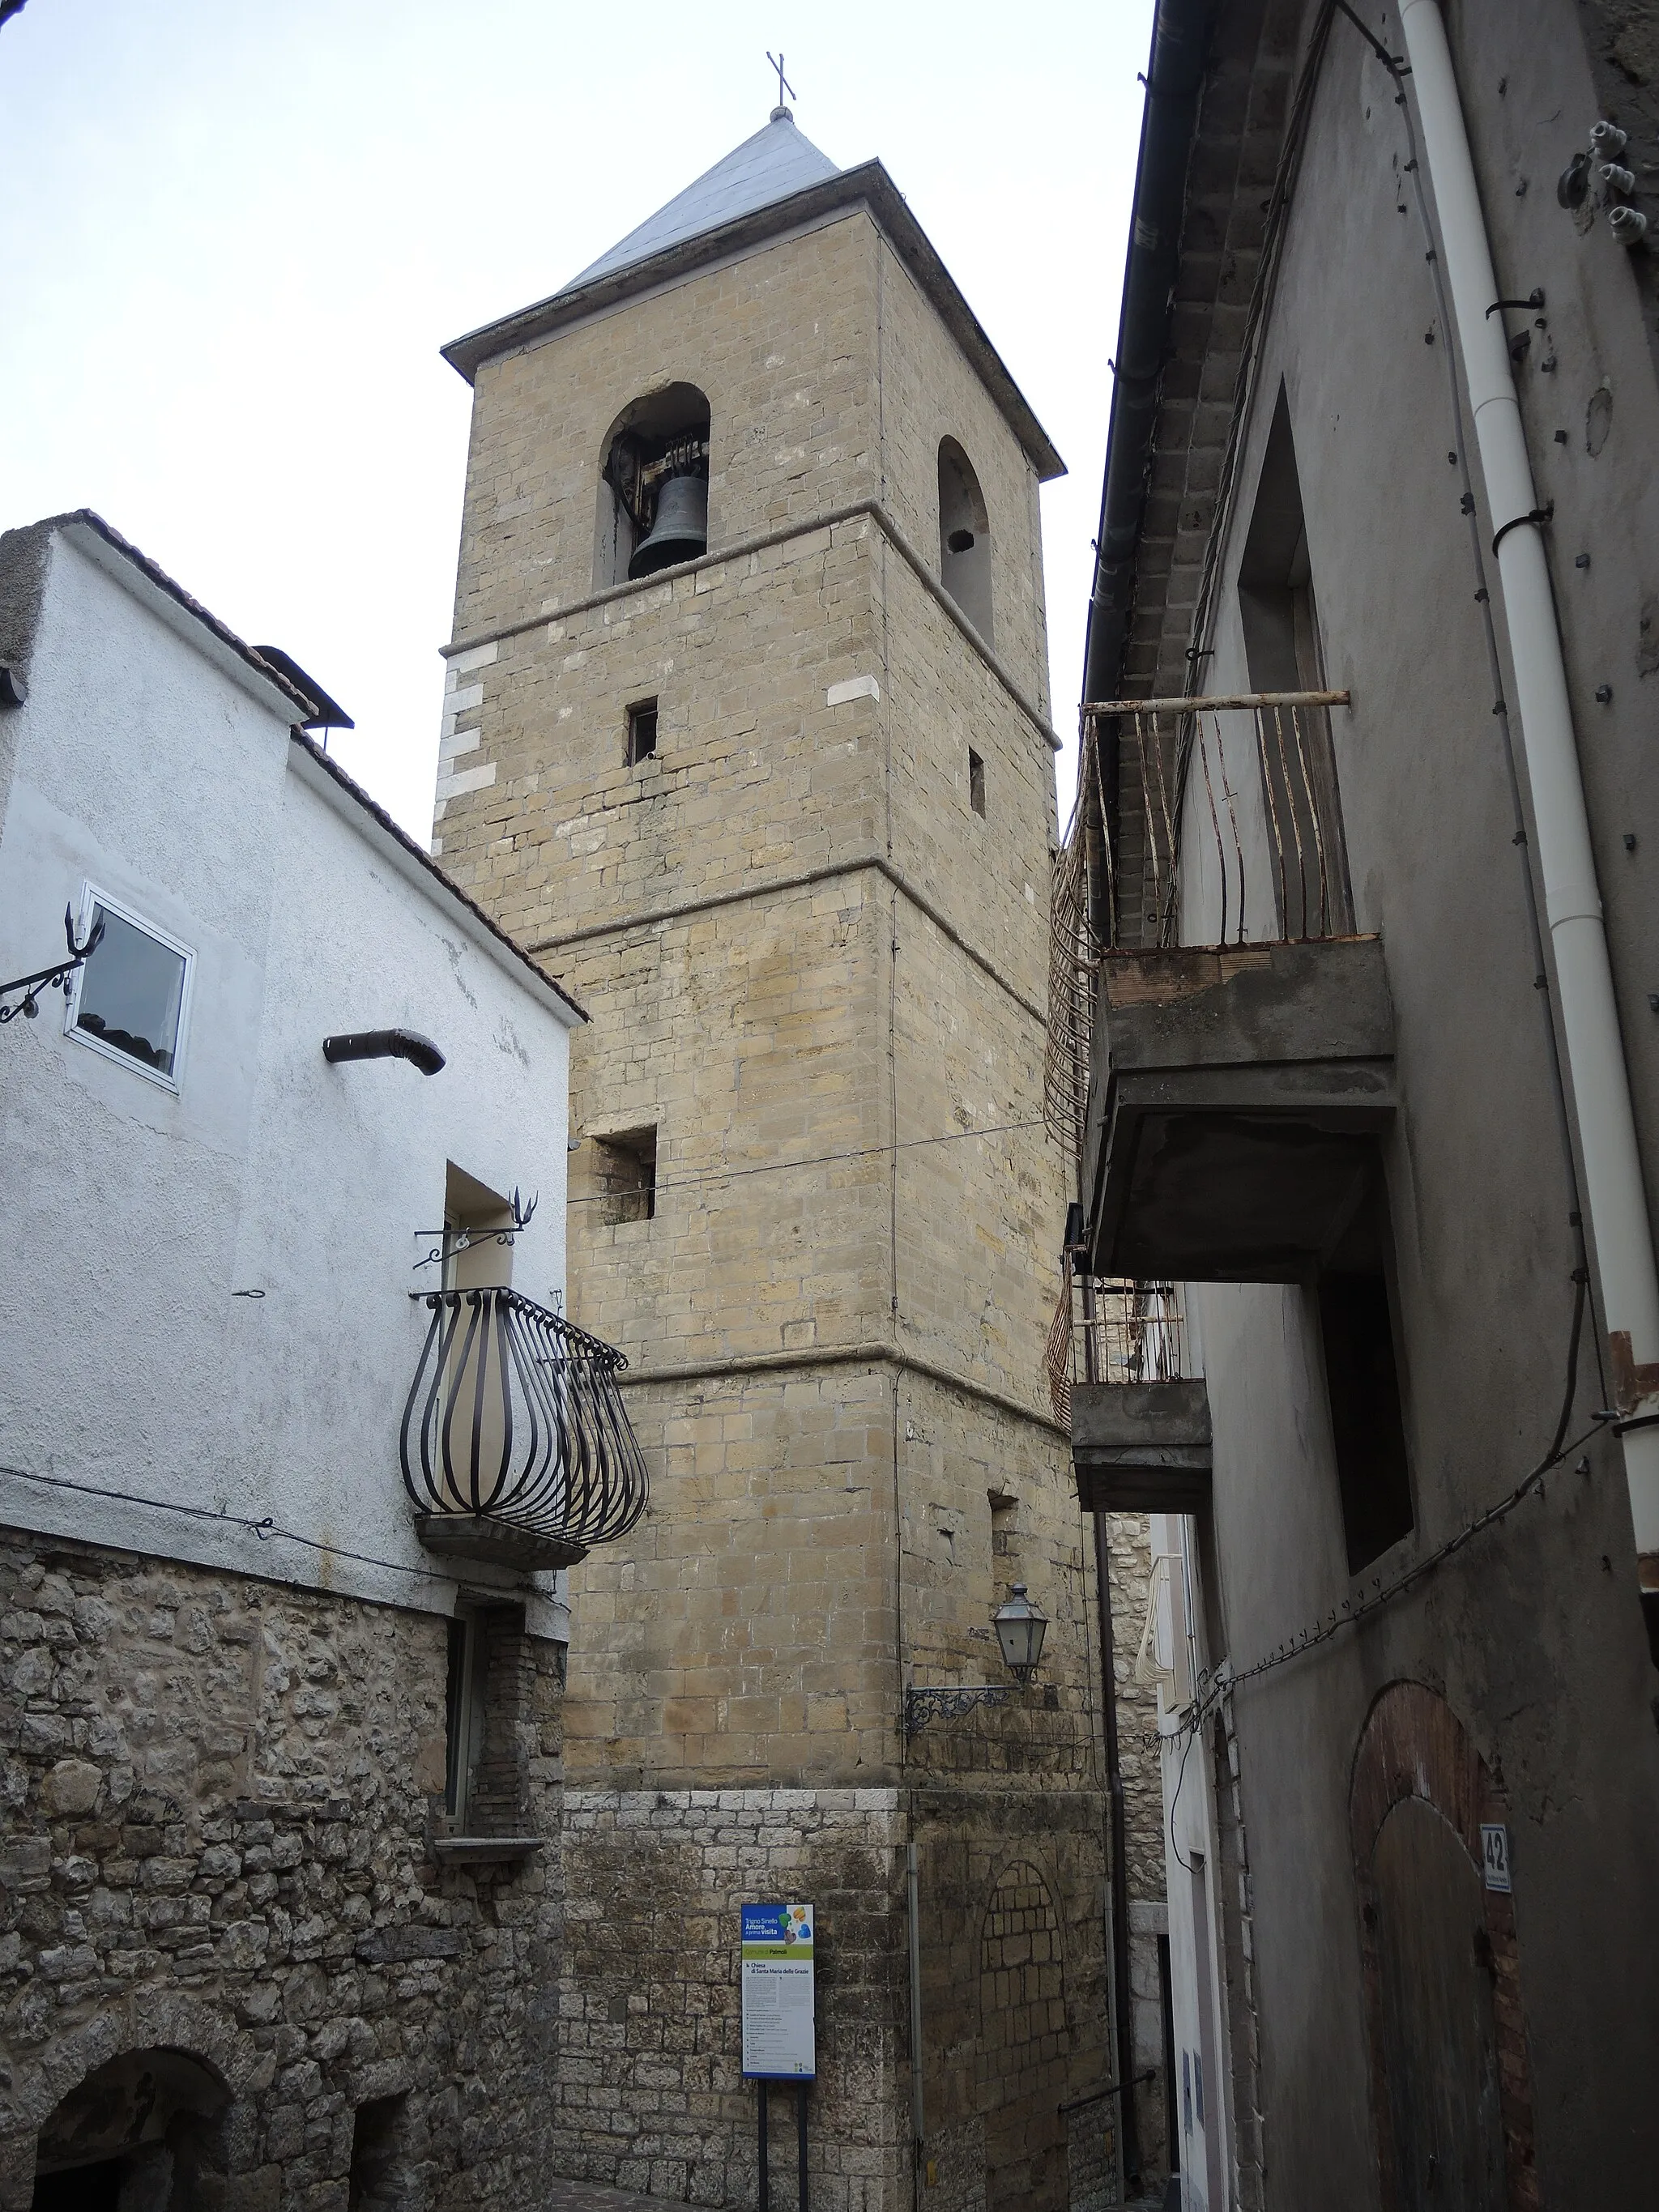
(1237,1096)
(1141,1447)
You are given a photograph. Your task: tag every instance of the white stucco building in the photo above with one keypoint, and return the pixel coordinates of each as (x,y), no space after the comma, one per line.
(208,1264)
(279,1740)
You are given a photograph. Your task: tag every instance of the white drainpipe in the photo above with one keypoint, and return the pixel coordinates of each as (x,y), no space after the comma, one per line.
(1590,1016)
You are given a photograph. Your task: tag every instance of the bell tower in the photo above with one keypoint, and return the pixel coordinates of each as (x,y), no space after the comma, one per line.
(747,738)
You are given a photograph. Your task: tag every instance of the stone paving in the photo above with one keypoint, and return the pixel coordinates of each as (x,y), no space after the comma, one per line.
(589,2197)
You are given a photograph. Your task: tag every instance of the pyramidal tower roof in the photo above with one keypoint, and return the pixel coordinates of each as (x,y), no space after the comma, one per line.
(775,163)
(773,183)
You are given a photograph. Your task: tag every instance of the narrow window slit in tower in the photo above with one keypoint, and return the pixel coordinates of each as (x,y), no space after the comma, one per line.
(627,1163)
(641,732)
(976,781)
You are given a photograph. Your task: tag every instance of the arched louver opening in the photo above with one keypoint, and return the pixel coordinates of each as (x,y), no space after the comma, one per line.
(516,1446)
(964,536)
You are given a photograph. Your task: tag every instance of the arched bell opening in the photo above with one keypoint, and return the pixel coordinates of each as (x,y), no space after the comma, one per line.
(143,2133)
(964,536)
(653,486)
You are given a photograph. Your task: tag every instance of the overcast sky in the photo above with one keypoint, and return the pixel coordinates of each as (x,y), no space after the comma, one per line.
(232,237)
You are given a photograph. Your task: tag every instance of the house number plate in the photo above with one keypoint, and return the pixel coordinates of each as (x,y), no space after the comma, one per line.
(1495,1855)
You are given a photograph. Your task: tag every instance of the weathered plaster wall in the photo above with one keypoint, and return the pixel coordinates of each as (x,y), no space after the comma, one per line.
(1532,1634)
(139,1212)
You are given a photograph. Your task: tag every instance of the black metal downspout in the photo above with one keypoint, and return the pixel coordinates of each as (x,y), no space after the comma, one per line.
(1120,1873)
(1175,78)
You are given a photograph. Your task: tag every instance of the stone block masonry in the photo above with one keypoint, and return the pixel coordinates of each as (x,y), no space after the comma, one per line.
(810,931)
(650,2093)
(216,1801)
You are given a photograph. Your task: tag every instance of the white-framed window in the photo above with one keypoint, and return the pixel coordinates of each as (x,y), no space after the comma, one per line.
(131,1000)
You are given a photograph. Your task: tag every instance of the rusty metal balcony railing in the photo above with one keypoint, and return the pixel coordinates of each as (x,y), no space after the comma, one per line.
(1108,1330)
(1269,861)
(516,1446)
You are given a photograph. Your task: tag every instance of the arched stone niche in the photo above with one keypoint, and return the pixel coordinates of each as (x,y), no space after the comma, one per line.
(1024,2041)
(1441,1963)
(964,537)
(131,2109)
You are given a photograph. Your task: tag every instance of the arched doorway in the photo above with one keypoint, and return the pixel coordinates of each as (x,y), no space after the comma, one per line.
(1025,2044)
(140,2134)
(1451,2091)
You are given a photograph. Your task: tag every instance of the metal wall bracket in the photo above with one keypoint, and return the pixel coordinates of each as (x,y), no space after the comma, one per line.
(921,1707)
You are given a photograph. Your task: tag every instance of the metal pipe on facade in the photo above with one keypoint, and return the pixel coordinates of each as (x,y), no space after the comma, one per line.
(1590,1015)
(918,2125)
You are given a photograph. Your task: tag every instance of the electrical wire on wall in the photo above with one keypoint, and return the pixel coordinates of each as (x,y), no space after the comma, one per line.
(826,1159)
(1351,1611)
(265,1528)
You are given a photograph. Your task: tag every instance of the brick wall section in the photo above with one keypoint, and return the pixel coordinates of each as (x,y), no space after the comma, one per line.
(214,1804)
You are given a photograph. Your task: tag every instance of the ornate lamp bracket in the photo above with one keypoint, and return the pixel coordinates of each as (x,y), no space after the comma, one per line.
(921,1707)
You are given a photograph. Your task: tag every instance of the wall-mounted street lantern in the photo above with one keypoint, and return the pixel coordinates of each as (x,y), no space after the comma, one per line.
(1020,1627)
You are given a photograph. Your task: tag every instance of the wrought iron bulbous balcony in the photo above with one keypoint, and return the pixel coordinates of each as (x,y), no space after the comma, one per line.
(517,1449)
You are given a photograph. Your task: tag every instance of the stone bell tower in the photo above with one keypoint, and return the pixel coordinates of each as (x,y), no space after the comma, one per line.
(747,738)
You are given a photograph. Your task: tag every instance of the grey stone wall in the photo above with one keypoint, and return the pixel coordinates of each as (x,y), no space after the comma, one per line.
(215,1799)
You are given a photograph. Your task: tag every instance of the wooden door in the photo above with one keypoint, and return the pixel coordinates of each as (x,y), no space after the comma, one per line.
(1439,2039)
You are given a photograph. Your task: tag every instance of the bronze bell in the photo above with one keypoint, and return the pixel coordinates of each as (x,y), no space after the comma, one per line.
(680,531)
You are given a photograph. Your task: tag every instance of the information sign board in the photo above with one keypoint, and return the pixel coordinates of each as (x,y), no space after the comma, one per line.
(779,2037)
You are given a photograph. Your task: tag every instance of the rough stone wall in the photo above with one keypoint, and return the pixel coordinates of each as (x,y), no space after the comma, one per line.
(215,1806)
(1129,1537)
(783,345)
(1129,1543)
(651,2095)
(1013,2014)
(1013,1981)
(929,392)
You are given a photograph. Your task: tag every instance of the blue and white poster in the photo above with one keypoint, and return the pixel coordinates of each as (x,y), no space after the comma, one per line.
(780,2041)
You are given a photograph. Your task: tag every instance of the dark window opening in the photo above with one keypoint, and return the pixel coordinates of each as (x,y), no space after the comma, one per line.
(1362,1380)
(641,732)
(458,1698)
(379,2180)
(485,1689)
(626,1167)
(976,781)
(130,996)
(1280,622)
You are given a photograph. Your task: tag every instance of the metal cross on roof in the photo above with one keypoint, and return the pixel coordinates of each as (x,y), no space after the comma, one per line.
(784,84)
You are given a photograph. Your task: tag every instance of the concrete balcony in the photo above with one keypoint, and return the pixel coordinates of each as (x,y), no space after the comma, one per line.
(1235,1098)
(1141,1447)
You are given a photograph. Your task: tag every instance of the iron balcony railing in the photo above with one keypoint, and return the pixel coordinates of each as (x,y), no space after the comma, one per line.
(516,1445)
(1232,798)
(1108,1329)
